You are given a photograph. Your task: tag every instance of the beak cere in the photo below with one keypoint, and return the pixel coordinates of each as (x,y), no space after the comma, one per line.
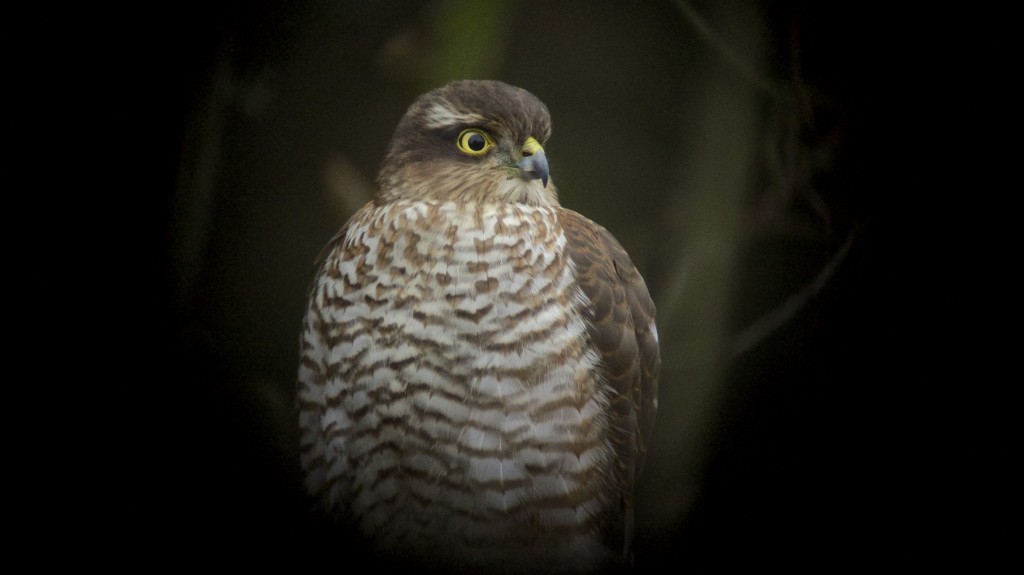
(534,165)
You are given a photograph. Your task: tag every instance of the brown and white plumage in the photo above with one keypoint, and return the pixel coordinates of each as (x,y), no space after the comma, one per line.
(479,365)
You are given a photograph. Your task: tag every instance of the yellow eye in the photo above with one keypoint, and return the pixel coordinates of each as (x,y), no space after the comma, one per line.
(474,142)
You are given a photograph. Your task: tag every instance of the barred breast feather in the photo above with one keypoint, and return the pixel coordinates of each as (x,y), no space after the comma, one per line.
(476,382)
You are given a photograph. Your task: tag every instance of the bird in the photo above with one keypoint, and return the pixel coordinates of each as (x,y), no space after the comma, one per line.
(478,371)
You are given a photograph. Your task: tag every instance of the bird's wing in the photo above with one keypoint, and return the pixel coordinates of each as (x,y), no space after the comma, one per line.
(621,327)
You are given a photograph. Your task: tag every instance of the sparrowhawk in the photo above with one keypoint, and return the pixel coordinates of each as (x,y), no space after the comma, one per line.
(479,365)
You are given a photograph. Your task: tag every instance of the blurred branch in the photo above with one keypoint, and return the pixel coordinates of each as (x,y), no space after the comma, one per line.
(696,295)
(470,38)
(198,170)
(347,187)
(758,331)
(453,40)
(725,49)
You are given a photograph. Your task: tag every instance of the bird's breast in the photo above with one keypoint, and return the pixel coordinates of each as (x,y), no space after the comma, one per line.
(468,393)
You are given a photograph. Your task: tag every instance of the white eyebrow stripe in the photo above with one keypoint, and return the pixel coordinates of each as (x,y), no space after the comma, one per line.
(440,116)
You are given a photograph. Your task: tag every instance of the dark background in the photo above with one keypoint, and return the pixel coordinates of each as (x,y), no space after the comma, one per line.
(761,163)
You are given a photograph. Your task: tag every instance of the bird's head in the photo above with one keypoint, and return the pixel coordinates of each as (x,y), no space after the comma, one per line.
(471,141)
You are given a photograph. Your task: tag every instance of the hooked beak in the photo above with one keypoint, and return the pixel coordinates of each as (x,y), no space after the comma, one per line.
(535,165)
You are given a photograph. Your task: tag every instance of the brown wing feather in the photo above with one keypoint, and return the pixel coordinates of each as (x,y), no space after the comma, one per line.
(621,327)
